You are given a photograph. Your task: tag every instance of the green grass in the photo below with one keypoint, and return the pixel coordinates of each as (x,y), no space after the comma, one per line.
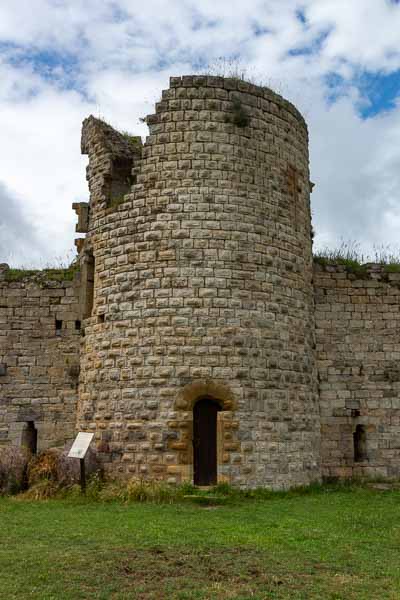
(331,543)
(349,255)
(133,139)
(62,274)
(353,266)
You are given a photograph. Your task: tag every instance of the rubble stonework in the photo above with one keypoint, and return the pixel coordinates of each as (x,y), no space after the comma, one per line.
(39,350)
(197,281)
(358,350)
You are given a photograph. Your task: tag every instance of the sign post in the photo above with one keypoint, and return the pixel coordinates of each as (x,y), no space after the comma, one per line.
(83,475)
(78,450)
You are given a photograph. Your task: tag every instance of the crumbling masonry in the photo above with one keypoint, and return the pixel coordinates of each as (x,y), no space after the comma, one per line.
(199,341)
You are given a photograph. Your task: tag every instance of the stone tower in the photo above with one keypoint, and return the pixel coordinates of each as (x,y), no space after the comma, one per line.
(198,357)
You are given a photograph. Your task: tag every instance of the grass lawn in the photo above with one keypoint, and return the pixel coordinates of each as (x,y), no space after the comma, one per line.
(327,544)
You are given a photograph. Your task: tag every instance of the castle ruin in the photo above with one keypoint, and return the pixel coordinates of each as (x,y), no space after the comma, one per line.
(199,341)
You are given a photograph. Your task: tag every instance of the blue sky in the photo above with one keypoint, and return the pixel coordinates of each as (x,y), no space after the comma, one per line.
(60,60)
(380,91)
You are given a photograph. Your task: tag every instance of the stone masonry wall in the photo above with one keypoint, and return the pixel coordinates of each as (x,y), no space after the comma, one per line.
(197,281)
(203,287)
(358,349)
(39,358)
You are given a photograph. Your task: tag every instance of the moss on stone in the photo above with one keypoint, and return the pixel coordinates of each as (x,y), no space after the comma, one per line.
(115,202)
(133,139)
(238,116)
(392,268)
(353,266)
(356,267)
(61,274)
(350,255)
(19,274)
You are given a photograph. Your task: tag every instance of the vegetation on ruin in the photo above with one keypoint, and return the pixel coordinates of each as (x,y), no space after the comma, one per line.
(234,68)
(238,115)
(115,201)
(130,137)
(133,139)
(349,255)
(332,542)
(51,474)
(49,274)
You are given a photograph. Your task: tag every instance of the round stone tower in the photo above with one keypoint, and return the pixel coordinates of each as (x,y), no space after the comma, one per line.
(198,356)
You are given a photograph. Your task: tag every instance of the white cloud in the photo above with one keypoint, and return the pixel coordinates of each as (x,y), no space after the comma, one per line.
(356,167)
(364,32)
(40,158)
(18,237)
(118,56)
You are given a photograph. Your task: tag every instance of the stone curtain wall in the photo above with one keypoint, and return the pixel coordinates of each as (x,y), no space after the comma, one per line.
(39,358)
(358,348)
(203,286)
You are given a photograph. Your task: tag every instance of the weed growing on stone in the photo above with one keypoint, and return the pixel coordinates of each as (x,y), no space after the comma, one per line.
(238,116)
(349,254)
(133,139)
(53,274)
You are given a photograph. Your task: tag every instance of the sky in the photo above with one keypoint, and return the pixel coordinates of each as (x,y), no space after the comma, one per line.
(338,61)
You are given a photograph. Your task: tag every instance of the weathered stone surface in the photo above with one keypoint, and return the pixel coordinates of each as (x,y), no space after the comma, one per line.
(40,383)
(358,351)
(203,280)
(197,281)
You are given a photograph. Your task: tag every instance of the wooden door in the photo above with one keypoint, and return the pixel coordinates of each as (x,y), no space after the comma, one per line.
(205,442)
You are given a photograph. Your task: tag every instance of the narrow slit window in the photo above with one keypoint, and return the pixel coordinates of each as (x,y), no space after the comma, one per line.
(294,193)
(360,444)
(77,325)
(59,324)
(88,285)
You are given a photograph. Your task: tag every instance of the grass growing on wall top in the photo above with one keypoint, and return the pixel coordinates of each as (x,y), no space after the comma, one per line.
(134,139)
(50,274)
(130,137)
(350,255)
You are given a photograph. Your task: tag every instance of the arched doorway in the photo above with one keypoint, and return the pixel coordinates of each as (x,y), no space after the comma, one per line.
(205,441)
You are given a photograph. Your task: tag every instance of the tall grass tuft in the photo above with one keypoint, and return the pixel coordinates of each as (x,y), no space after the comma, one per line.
(150,491)
(13,469)
(43,468)
(349,253)
(43,489)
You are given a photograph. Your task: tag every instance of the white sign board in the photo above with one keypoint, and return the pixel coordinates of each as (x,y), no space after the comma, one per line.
(80,445)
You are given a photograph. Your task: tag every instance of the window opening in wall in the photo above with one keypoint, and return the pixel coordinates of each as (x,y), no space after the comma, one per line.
(360,444)
(58,326)
(101,318)
(88,284)
(294,189)
(29,437)
(121,180)
(77,325)
(205,441)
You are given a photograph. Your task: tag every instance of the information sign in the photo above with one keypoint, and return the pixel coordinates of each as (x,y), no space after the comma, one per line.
(80,445)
